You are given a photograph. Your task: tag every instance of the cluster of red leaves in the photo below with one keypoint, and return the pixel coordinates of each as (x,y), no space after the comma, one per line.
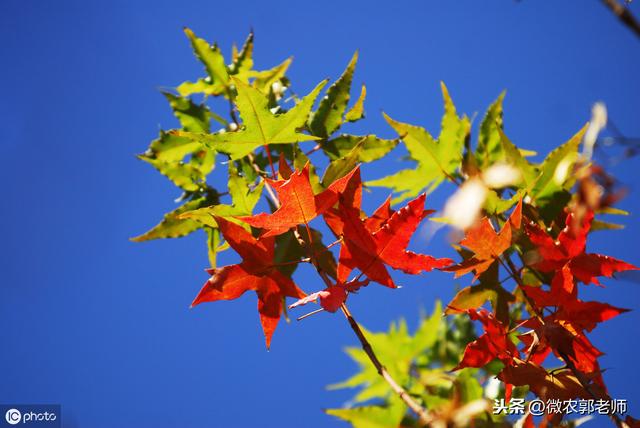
(368,244)
(558,320)
(487,244)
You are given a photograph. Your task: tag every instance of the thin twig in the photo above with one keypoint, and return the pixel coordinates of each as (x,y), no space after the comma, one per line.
(293,262)
(232,109)
(317,311)
(273,170)
(420,411)
(314,149)
(624,14)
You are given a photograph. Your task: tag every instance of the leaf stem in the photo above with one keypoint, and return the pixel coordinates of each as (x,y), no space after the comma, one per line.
(317,311)
(273,170)
(421,412)
(232,109)
(314,149)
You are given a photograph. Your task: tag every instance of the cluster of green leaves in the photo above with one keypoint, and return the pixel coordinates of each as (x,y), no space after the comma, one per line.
(422,362)
(272,126)
(274,121)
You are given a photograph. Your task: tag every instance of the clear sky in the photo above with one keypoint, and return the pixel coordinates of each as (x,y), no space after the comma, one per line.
(102,326)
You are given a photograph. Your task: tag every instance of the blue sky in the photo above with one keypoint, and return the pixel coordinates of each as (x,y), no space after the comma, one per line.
(101,325)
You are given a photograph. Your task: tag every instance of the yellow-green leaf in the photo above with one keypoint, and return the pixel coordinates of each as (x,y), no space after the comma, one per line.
(260,126)
(172,225)
(373,416)
(489,150)
(357,111)
(328,118)
(193,117)
(436,159)
(341,166)
(213,61)
(373,148)
(551,179)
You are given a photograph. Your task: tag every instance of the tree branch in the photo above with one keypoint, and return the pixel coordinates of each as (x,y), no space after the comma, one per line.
(420,411)
(624,14)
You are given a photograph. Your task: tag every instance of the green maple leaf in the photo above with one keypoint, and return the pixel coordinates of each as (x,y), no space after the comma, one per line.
(341,166)
(373,148)
(173,225)
(357,110)
(181,160)
(562,157)
(218,80)
(436,159)
(329,116)
(390,415)
(260,126)
(244,198)
(475,296)
(396,349)
(489,149)
(332,114)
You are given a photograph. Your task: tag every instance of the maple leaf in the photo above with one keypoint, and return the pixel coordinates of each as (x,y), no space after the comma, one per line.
(244,197)
(474,296)
(555,336)
(256,272)
(378,219)
(218,81)
(487,244)
(329,116)
(436,159)
(569,249)
(571,310)
(260,126)
(493,343)
(398,349)
(331,298)
(563,330)
(561,385)
(298,204)
(370,251)
(380,216)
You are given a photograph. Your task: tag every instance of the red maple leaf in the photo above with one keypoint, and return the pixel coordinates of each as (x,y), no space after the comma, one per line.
(487,244)
(369,249)
(569,249)
(563,330)
(571,310)
(256,272)
(554,336)
(493,343)
(331,298)
(562,385)
(298,203)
